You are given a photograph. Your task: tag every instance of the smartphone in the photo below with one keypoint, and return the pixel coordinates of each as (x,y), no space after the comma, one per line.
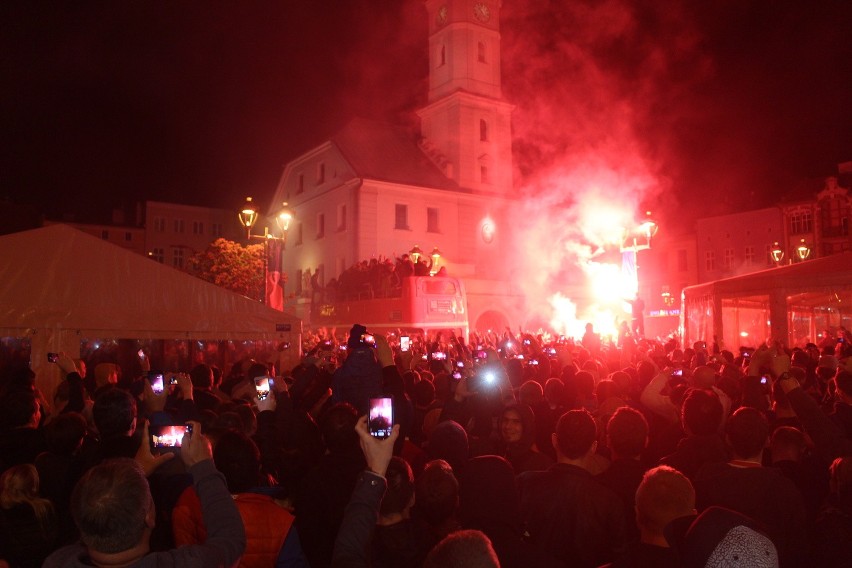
(368,339)
(156,380)
(404,343)
(169,436)
(460,364)
(173,380)
(342,347)
(140,354)
(519,357)
(439,356)
(457,375)
(52,357)
(526,341)
(380,420)
(481,354)
(764,380)
(533,361)
(677,373)
(552,350)
(261,384)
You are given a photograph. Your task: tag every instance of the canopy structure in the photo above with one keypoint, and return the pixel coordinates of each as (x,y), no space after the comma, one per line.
(793,303)
(59,286)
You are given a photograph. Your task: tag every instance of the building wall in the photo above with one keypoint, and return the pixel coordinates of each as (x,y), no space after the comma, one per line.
(740,243)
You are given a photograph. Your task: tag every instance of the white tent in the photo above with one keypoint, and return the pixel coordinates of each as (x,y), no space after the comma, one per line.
(59,285)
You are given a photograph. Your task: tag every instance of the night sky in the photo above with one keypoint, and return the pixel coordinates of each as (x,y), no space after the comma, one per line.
(724,104)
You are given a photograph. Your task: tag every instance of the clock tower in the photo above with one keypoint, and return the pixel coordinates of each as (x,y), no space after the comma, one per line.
(466,124)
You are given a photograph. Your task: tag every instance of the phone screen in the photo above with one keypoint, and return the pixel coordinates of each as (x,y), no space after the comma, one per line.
(170,436)
(380,420)
(404,343)
(156,380)
(262,386)
(439,356)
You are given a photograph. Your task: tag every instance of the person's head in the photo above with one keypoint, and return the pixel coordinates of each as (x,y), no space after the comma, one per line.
(576,435)
(701,412)
(584,382)
(517,424)
(238,458)
(114,413)
(80,365)
(202,377)
(112,507)
(747,432)
(463,549)
(627,433)
(703,377)
(337,426)
(18,484)
(399,495)
(448,441)
(106,374)
(840,479)
(437,493)
(423,393)
(843,382)
(787,444)
(663,495)
(530,393)
(20,409)
(65,433)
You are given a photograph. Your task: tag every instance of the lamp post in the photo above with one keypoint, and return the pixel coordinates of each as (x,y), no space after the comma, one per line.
(777,253)
(436,257)
(803,250)
(415,254)
(248,217)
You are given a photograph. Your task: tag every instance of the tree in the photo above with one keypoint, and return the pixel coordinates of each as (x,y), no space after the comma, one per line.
(232,266)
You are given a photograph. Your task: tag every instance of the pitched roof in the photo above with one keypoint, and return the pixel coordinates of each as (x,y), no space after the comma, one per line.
(389,153)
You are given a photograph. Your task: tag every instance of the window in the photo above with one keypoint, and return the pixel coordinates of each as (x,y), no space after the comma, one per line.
(128,236)
(105,235)
(682,261)
(483,174)
(177,257)
(299,233)
(432,220)
(483,130)
(299,282)
(729,258)
(320,173)
(178,225)
(320,225)
(197,227)
(801,222)
(480,52)
(160,224)
(159,255)
(401,216)
(341,217)
(749,256)
(710,261)
(216,229)
(442,56)
(300,183)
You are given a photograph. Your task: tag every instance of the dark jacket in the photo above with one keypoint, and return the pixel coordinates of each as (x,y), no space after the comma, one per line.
(695,451)
(358,380)
(572,516)
(359,522)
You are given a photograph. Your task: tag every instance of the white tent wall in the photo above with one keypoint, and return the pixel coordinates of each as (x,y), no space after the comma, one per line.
(59,285)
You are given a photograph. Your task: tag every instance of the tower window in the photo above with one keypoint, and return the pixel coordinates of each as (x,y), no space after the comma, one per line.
(483,130)
(483,174)
(401,216)
(442,57)
(481,53)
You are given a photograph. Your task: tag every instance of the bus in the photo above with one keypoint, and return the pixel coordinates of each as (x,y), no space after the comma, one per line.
(421,304)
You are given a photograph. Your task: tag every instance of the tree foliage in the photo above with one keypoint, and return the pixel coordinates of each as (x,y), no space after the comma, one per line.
(230,265)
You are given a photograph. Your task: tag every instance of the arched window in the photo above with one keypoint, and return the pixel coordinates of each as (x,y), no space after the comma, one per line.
(483,130)
(480,50)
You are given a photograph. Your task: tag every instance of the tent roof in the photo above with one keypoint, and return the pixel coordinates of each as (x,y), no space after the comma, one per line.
(59,277)
(812,275)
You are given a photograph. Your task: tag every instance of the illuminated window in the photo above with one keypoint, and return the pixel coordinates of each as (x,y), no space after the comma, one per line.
(320,225)
(177,257)
(710,261)
(682,261)
(432,220)
(749,256)
(480,52)
(401,216)
(483,130)
(341,217)
(729,258)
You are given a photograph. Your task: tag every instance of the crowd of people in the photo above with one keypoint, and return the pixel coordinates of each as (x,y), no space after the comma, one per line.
(510,449)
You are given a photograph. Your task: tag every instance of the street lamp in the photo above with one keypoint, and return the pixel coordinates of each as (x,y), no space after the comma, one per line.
(803,250)
(777,252)
(248,216)
(415,254)
(436,256)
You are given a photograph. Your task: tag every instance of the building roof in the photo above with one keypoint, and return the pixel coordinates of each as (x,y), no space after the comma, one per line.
(388,153)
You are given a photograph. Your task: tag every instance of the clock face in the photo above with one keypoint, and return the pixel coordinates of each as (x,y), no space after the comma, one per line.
(442,15)
(481,12)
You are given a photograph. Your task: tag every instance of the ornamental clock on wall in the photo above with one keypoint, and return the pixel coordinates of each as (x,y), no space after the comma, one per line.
(481,12)
(442,15)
